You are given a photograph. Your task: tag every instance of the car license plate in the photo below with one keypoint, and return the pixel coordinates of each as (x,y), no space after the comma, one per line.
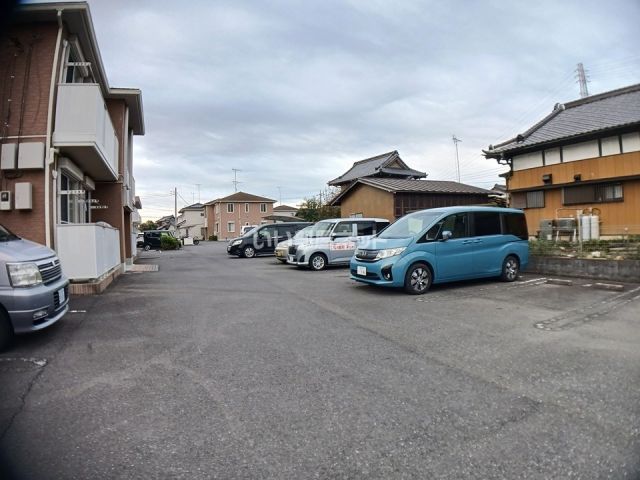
(362,271)
(61,297)
(292,258)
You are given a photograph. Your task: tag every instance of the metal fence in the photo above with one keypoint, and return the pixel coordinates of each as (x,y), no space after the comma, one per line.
(624,248)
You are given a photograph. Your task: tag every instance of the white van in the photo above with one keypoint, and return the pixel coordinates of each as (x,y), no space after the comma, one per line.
(34,293)
(333,241)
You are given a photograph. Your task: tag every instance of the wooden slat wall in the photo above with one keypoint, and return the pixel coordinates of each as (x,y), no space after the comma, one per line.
(615,217)
(369,201)
(409,202)
(612,166)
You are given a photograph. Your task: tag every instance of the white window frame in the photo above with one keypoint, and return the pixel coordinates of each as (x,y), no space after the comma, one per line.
(231,227)
(263,208)
(246,208)
(230,207)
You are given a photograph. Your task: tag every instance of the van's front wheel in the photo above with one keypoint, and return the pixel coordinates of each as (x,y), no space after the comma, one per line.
(510,269)
(418,279)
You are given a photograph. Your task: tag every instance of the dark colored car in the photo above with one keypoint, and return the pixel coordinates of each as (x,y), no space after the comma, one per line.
(153,239)
(263,240)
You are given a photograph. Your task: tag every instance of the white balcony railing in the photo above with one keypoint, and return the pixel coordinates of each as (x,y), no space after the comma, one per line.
(87,250)
(84,132)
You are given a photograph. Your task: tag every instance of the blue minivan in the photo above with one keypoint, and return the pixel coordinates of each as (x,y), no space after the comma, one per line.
(443,245)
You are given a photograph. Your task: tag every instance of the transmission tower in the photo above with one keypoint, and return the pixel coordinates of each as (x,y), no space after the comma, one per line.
(235,178)
(455,142)
(582,81)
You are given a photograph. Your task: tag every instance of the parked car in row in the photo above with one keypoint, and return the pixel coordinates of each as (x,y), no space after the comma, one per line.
(443,245)
(282,249)
(152,239)
(263,240)
(333,241)
(34,292)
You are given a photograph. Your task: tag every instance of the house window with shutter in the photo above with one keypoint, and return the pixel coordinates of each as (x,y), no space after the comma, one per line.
(533,199)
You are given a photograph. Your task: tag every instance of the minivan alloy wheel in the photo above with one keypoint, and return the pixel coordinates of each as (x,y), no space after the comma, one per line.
(317,261)
(510,269)
(418,279)
(249,252)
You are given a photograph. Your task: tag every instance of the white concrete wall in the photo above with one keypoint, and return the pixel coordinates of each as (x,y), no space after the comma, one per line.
(527,160)
(580,151)
(87,251)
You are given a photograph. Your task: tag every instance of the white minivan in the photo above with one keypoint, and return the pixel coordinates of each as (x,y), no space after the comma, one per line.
(333,241)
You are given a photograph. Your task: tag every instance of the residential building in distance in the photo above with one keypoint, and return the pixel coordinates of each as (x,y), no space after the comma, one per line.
(285,211)
(281,214)
(386,187)
(66,154)
(225,216)
(191,221)
(579,167)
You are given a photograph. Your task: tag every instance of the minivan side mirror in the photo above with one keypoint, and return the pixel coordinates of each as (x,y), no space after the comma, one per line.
(446,235)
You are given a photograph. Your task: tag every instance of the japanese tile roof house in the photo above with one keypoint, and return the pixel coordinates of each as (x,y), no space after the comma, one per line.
(225,216)
(386,187)
(582,158)
(387,165)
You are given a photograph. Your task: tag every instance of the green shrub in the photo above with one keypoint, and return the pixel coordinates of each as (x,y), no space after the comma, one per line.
(168,242)
(213,238)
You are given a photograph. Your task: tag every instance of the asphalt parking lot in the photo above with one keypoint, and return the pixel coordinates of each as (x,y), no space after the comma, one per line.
(219,367)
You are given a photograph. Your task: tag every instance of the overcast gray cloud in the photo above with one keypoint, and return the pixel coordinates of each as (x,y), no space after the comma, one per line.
(293,92)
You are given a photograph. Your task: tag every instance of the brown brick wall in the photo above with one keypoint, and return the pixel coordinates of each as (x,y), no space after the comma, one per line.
(116,109)
(26,53)
(26,223)
(38,42)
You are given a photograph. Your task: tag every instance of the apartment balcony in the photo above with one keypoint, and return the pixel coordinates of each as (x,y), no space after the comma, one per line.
(87,251)
(84,132)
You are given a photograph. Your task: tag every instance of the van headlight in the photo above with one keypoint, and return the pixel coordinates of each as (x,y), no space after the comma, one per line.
(389,252)
(24,274)
(236,242)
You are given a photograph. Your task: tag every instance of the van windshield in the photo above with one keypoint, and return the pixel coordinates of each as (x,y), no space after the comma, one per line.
(6,235)
(304,233)
(320,229)
(410,225)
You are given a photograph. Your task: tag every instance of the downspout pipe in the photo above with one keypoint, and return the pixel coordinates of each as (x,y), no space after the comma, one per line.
(50,152)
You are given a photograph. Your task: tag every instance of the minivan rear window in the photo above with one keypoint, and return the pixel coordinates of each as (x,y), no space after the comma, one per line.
(516,224)
(486,223)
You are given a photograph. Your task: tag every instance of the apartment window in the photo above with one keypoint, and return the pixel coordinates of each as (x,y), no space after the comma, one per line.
(74,201)
(246,208)
(217,229)
(594,193)
(229,207)
(231,227)
(263,208)
(533,199)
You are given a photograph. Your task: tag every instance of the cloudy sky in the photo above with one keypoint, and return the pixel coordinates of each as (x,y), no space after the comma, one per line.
(293,92)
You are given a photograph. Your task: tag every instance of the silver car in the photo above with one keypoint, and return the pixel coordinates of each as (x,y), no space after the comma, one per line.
(34,293)
(333,241)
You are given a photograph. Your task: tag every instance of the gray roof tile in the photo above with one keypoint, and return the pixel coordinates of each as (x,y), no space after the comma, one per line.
(606,111)
(375,165)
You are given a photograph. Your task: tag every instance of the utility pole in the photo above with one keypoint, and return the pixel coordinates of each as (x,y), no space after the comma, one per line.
(235,178)
(582,81)
(175,207)
(455,142)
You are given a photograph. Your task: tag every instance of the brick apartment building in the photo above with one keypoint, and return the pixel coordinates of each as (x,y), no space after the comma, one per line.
(226,216)
(66,141)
